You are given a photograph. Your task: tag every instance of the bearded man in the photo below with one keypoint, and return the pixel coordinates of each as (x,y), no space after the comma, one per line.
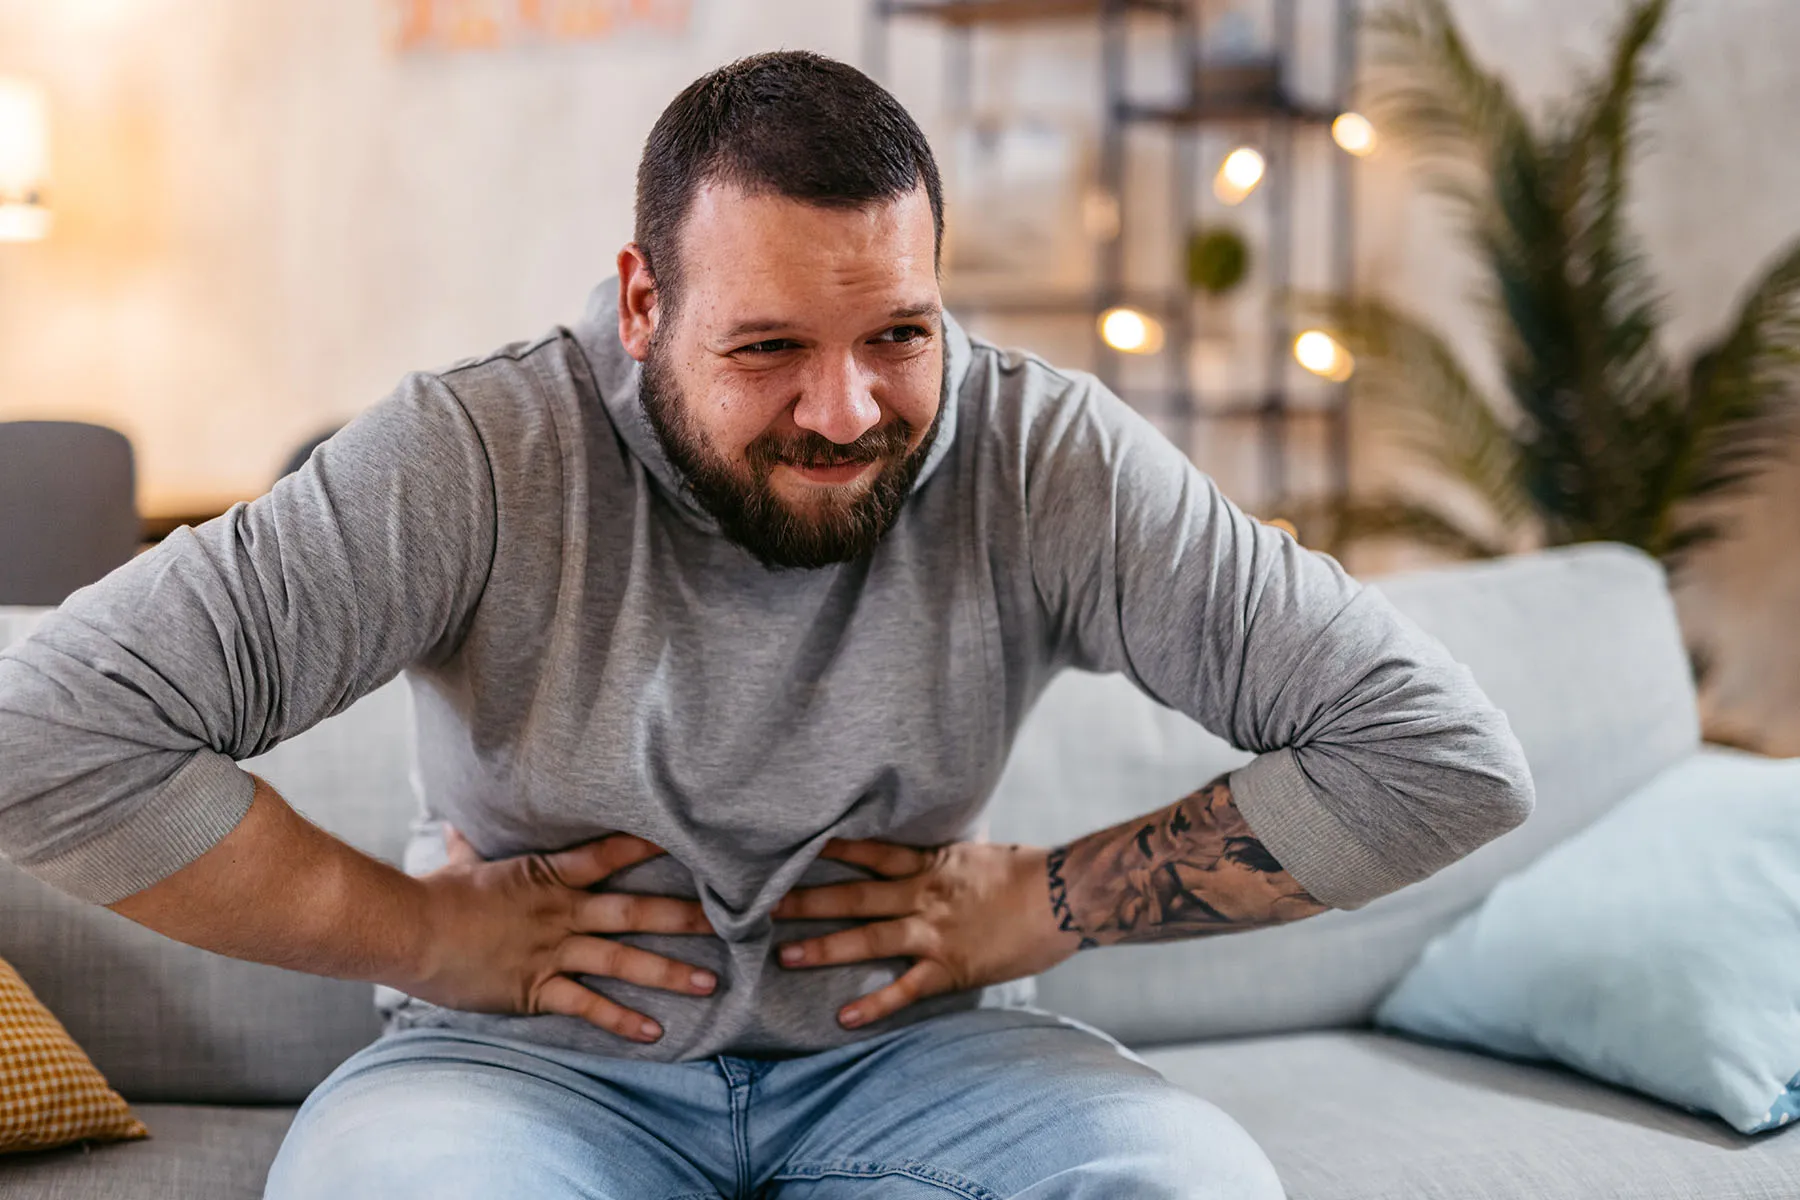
(720,611)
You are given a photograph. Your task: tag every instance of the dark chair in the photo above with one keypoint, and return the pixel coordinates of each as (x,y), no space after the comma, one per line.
(68,508)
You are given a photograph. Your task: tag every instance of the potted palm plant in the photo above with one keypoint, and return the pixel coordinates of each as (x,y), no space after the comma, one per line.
(1599,433)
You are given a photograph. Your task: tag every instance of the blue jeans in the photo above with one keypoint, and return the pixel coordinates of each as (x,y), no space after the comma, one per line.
(982,1104)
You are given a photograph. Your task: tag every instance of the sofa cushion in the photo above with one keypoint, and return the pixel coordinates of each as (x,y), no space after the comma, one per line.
(1362,1116)
(198,1152)
(1579,647)
(164,1021)
(1658,949)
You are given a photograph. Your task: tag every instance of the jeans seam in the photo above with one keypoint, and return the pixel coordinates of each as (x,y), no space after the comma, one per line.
(740,1133)
(949,1181)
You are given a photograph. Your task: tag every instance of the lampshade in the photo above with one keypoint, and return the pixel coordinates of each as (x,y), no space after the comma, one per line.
(24,161)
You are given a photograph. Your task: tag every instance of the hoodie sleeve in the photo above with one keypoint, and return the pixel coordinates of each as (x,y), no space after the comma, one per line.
(1379,759)
(124,714)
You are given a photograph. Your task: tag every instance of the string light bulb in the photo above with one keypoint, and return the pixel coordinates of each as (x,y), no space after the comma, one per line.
(1130,332)
(1321,354)
(1354,134)
(1238,175)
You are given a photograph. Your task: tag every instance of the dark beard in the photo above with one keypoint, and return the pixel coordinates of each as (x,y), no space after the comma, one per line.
(750,512)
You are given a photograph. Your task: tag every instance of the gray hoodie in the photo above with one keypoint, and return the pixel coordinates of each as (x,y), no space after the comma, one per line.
(588,654)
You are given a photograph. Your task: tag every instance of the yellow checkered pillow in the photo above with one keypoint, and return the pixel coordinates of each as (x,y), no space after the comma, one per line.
(51,1094)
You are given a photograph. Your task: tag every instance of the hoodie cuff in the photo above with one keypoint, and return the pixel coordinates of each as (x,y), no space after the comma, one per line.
(1282,808)
(186,817)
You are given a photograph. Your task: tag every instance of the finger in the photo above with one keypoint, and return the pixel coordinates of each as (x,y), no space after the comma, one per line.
(625,912)
(874,898)
(883,939)
(597,956)
(457,850)
(927,977)
(563,995)
(883,858)
(585,865)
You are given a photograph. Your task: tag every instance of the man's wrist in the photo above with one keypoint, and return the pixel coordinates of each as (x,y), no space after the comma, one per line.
(420,927)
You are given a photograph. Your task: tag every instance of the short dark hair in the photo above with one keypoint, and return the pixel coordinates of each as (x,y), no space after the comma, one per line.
(788,123)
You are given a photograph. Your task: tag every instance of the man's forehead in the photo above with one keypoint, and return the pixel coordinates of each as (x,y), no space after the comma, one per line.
(763,264)
(740,246)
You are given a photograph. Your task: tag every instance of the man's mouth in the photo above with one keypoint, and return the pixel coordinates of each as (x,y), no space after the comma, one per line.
(835,473)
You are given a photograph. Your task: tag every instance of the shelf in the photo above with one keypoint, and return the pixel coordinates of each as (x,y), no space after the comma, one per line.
(196,511)
(965,13)
(1087,304)
(1284,108)
(1162,402)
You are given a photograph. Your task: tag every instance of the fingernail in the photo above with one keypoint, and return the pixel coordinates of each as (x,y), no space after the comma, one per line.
(792,955)
(651,1029)
(703,980)
(852,1017)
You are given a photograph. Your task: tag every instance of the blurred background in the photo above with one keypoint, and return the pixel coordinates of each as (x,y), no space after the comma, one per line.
(1427,280)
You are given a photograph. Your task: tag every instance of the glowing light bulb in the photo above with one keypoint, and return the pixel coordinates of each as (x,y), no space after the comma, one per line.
(1238,175)
(24,223)
(1321,354)
(23,155)
(1130,332)
(1353,133)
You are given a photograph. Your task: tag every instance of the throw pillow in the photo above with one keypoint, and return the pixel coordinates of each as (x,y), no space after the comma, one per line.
(1658,949)
(50,1092)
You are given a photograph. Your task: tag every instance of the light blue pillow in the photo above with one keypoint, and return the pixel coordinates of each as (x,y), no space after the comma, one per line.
(1658,949)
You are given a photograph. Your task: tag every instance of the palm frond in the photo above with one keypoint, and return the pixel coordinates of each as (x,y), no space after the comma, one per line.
(1743,404)
(1583,316)
(1610,440)
(1637,390)
(1476,145)
(1413,384)
(1434,94)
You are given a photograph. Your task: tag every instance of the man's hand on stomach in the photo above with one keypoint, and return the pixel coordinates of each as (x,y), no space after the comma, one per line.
(970,914)
(510,935)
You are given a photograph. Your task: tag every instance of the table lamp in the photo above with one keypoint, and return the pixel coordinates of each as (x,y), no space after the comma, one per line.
(24,156)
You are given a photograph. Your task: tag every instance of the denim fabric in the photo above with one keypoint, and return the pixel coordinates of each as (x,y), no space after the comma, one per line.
(979,1105)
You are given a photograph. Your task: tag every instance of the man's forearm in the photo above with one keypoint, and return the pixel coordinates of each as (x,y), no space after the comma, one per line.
(1188,870)
(278,889)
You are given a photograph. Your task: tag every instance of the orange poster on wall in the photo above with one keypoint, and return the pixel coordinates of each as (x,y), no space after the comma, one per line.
(494,24)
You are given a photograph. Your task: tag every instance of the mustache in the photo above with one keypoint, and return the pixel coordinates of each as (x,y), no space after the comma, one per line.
(811,449)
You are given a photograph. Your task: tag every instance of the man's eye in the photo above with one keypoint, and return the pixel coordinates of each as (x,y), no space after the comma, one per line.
(772,346)
(900,335)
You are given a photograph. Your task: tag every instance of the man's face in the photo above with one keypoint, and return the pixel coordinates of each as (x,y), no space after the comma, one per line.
(799,384)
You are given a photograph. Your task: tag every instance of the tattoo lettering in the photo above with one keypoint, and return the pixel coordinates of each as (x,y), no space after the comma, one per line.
(1193,869)
(1059,900)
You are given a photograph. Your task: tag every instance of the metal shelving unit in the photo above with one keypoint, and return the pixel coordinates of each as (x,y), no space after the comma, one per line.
(1280,120)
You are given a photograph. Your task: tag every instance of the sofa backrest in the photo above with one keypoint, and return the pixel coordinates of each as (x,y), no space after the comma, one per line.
(164,1021)
(1579,647)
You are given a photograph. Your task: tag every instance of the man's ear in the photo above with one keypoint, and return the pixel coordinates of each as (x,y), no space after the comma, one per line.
(637,302)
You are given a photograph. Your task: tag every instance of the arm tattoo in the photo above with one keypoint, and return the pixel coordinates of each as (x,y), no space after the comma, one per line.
(1192,869)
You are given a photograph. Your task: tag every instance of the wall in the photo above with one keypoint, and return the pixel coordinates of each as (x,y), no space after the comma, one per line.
(266,216)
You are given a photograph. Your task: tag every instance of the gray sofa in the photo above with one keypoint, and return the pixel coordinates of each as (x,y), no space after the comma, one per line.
(1580,647)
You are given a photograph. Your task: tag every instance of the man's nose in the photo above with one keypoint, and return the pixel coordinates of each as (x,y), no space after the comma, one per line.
(837,401)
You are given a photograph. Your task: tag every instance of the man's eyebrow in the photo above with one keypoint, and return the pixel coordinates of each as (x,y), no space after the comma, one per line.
(910,312)
(746,327)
